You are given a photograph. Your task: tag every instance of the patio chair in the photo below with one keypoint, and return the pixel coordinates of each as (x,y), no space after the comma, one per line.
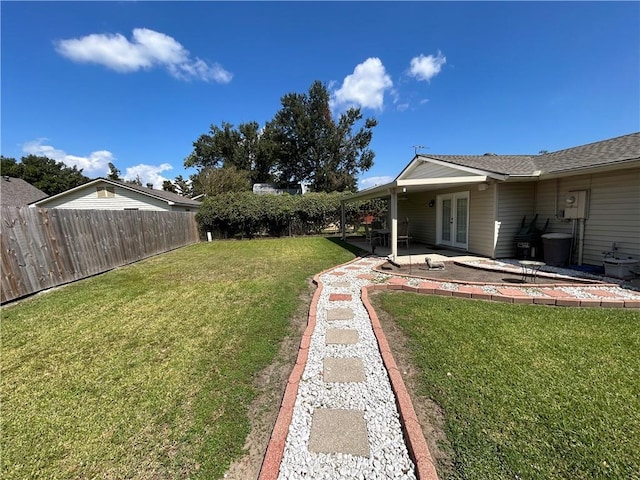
(403,233)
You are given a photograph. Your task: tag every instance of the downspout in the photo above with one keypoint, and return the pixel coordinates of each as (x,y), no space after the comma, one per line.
(580,240)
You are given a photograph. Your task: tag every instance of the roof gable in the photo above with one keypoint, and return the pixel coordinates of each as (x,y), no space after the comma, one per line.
(163,195)
(167,197)
(491,164)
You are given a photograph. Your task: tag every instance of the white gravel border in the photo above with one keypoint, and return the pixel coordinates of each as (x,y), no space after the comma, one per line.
(388,455)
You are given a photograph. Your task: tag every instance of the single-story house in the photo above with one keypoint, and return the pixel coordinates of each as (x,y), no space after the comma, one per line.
(476,203)
(105,194)
(15,192)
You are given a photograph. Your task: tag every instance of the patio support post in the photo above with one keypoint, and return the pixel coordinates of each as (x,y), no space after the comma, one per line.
(343,227)
(394,224)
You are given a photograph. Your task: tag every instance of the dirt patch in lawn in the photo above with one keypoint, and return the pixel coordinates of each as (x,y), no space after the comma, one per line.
(430,415)
(271,383)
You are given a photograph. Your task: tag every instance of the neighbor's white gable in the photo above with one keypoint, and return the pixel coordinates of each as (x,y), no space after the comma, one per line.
(87,198)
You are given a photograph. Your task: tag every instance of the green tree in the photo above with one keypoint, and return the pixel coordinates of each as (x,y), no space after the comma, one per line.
(114,173)
(44,173)
(302,144)
(214,181)
(167,186)
(314,148)
(243,148)
(183,186)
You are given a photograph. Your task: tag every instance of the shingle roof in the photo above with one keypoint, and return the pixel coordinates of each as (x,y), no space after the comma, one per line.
(606,152)
(502,164)
(17,192)
(161,194)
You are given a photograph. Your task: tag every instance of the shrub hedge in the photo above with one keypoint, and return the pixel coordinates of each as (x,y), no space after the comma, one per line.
(246,214)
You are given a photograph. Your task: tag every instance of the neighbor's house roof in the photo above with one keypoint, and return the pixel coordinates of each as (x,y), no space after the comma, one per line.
(15,192)
(431,171)
(168,197)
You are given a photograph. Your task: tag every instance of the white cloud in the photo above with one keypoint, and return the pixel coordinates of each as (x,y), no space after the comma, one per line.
(95,164)
(425,68)
(374,181)
(148,174)
(365,87)
(146,49)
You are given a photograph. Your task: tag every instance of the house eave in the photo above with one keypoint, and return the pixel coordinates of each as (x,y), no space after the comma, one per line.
(373,192)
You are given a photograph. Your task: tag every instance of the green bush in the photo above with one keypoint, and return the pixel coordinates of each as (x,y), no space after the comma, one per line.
(246,214)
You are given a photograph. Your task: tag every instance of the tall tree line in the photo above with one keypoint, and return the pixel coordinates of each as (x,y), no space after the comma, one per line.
(43,173)
(303,143)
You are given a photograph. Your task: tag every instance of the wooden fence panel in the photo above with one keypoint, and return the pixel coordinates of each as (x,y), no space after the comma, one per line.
(43,248)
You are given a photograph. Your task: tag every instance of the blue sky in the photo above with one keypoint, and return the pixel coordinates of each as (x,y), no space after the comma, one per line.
(136,83)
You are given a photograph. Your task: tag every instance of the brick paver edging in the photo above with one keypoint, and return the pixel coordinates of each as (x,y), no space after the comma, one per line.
(275,450)
(414,438)
(561,301)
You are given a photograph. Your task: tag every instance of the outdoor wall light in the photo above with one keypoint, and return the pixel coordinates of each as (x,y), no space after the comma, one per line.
(432,203)
(483,186)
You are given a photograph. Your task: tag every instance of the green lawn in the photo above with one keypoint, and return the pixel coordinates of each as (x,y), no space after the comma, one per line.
(529,392)
(147,371)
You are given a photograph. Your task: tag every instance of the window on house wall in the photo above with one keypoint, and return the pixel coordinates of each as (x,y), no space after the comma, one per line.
(106,192)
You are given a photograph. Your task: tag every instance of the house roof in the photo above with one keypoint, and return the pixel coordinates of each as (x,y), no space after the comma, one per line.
(500,164)
(606,152)
(433,171)
(17,192)
(168,197)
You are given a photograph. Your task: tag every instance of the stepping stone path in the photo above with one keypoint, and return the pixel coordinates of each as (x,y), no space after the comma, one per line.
(339,418)
(345,422)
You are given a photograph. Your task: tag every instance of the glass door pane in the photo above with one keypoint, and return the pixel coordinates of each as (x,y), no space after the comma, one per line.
(462,212)
(446,220)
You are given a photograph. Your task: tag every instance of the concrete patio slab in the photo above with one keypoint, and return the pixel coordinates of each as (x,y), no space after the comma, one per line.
(339,431)
(341,370)
(341,336)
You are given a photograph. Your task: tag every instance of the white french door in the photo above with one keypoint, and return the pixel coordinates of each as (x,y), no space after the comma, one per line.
(452,220)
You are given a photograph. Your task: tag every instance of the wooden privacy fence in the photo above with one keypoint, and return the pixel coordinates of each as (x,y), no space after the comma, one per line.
(43,248)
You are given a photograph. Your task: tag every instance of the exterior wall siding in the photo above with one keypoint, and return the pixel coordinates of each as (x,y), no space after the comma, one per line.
(514,201)
(613,212)
(422,218)
(481,220)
